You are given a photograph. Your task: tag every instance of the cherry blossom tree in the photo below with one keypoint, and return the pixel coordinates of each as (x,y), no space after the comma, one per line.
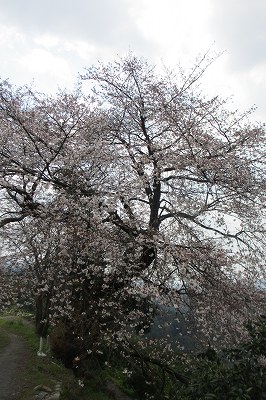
(189,192)
(143,192)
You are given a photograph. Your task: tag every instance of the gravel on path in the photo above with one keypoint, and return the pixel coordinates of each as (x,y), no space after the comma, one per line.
(13,359)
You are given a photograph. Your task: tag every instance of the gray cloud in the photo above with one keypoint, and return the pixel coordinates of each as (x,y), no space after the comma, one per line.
(239,27)
(101,22)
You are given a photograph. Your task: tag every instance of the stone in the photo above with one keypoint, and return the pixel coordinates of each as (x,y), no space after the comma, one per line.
(54,396)
(43,388)
(41,396)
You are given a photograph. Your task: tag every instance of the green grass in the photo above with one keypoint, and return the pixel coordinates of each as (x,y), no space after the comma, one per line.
(20,327)
(46,370)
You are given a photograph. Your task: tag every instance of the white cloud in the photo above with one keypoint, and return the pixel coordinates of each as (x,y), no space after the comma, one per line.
(10,36)
(178,27)
(46,67)
(42,61)
(47,40)
(257,74)
(51,41)
(83,49)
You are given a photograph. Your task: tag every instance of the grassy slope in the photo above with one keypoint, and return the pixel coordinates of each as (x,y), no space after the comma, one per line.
(45,370)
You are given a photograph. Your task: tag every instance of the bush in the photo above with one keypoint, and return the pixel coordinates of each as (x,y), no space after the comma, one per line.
(234,374)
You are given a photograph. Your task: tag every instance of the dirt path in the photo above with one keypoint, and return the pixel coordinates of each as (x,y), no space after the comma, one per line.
(13,359)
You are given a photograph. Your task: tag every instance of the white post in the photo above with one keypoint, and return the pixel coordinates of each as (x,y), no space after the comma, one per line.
(40,352)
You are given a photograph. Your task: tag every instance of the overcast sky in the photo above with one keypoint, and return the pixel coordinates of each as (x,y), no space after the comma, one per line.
(49,42)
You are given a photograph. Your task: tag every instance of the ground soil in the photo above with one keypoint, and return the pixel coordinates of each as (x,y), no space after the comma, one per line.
(13,361)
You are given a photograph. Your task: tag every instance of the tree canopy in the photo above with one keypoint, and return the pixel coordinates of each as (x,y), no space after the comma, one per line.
(135,192)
